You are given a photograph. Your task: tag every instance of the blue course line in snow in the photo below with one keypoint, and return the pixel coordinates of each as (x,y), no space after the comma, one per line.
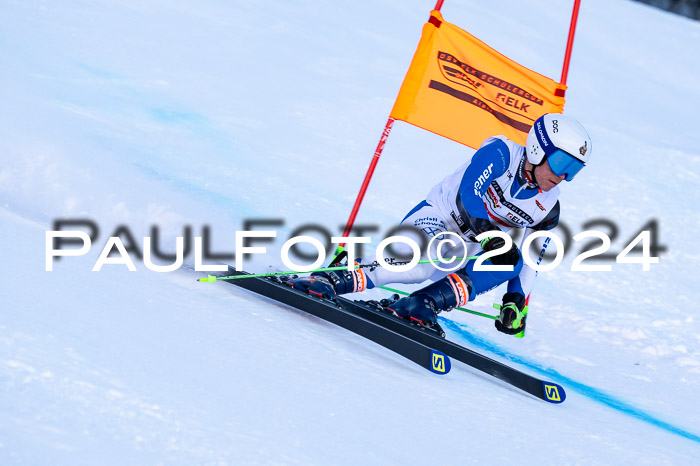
(590,392)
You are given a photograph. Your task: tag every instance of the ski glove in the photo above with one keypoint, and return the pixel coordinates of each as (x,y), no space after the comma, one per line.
(513,314)
(510,257)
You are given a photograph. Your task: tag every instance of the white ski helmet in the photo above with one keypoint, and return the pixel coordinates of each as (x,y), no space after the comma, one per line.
(554,132)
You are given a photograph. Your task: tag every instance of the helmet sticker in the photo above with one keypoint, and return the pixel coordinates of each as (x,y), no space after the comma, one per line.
(543,137)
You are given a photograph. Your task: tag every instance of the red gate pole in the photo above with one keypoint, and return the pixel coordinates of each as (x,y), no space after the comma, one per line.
(372,166)
(368,177)
(570,42)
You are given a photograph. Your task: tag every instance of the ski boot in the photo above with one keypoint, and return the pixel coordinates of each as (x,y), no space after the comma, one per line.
(328,285)
(423,306)
(513,314)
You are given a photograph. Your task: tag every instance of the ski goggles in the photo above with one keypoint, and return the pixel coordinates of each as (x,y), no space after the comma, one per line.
(562,163)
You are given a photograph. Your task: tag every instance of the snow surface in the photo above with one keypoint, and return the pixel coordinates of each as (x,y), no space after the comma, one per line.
(210,113)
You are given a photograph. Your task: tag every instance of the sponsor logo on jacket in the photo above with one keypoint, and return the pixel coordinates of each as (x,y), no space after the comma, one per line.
(513,218)
(493,197)
(482,179)
(510,205)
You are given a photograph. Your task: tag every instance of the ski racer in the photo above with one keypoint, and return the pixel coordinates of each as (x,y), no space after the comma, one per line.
(503,186)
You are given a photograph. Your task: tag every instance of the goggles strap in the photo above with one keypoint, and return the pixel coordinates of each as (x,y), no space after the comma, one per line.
(526,178)
(530,175)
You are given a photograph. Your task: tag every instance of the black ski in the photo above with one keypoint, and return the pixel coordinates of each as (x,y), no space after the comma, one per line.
(422,346)
(420,353)
(371,310)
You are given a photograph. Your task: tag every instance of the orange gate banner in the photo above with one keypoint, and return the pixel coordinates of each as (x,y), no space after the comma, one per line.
(462,89)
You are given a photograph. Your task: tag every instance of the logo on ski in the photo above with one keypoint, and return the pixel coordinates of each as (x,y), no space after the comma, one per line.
(553,393)
(440,363)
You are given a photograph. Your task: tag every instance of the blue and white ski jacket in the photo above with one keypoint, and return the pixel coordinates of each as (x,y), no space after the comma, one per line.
(491,192)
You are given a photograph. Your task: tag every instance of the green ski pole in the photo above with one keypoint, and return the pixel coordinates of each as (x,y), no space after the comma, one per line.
(213,278)
(489,316)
